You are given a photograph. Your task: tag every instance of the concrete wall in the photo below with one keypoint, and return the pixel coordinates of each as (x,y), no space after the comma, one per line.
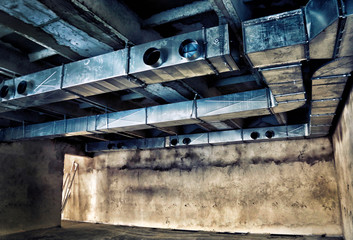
(283,187)
(343,148)
(30,185)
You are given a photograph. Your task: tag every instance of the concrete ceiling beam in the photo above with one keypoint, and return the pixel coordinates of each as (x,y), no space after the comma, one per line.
(175,14)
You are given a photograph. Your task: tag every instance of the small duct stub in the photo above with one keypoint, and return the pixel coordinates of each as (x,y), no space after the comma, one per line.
(153,57)
(6,91)
(24,87)
(190,49)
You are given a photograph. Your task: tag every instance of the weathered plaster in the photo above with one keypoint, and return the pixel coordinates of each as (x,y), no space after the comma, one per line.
(283,187)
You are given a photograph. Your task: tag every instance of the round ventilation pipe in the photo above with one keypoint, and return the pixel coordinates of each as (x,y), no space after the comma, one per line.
(255,135)
(110,145)
(153,57)
(190,49)
(270,134)
(24,87)
(174,141)
(187,141)
(6,91)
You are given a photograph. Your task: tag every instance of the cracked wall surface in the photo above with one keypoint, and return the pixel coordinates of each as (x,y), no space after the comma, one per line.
(283,187)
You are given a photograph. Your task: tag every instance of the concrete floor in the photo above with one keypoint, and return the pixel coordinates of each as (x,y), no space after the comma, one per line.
(89,231)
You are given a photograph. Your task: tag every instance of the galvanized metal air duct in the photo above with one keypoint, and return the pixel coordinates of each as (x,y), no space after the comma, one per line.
(174,58)
(198,53)
(34,89)
(328,84)
(276,44)
(97,75)
(209,138)
(238,105)
(322,22)
(345,42)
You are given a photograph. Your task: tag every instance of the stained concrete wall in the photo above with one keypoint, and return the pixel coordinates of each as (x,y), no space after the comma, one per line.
(30,185)
(343,148)
(283,187)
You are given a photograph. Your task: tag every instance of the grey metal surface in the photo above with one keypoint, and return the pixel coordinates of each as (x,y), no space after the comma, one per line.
(286,88)
(285,39)
(265,133)
(321,18)
(245,104)
(172,114)
(125,121)
(42,88)
(100,74)
(213,138)
(186,140)
(319,14)
(222,137)
(174,66)
(338,66)
(238,105)
(290,96)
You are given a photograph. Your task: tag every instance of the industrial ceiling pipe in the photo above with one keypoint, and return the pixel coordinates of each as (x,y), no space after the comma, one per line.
(6,91)
(153,57)
(24,87)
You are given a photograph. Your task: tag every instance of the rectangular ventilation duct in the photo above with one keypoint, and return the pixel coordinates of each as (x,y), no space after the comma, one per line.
(209,138)
(224,107)
(346,46)
(97,75)
(322,21)
(276,39)
(35,89)
(198,53)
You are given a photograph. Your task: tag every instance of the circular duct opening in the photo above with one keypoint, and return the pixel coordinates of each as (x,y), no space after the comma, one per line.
(255,135)
(174,141)
(186,141)
(153,57)
(270,134)
(22,87)
(110,146)
(190,49)
(4,91)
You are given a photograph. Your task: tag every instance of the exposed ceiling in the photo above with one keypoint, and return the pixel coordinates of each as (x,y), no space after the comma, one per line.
(36,35)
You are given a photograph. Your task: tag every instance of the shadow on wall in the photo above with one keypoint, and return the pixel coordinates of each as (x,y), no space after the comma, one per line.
(290,188)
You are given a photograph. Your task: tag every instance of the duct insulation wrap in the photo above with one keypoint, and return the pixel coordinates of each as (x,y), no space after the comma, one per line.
(346,47)
(328,85)
(237,105)
(208,138)
(97,75)
(188,55)
(276,39)
(286,85)
(36,89)
(322,20)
